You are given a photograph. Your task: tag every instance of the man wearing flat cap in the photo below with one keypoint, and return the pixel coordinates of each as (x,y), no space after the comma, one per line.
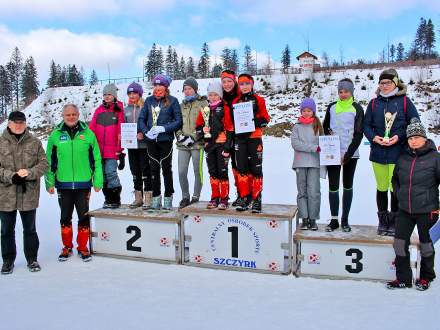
(22,163)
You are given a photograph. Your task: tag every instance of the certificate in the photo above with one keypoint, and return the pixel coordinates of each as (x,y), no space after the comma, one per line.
(129,135)
(330,150)
(244,117)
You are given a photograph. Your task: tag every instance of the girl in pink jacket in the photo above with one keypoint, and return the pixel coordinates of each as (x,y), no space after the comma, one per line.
(106,124)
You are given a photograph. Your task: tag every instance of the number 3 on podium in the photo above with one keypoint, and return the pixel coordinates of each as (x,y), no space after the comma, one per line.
(356,255)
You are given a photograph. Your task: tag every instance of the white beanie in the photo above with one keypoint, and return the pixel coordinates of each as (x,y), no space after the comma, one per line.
(215,87)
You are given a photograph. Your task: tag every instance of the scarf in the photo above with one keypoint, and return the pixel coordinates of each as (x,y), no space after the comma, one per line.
(392,93)
(344,105)
(306,121)
(214,105)
(190,98)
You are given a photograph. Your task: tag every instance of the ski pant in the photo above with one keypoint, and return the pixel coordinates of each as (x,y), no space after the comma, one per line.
(218,172)
(405,224)
(140,169)
(309,192)
(30,237)
(183,158)
(160,155)
(68,199)
(111,179)
(249,158)
(334,174)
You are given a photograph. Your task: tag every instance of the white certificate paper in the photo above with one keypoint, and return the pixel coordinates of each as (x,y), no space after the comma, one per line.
(330,150)
(129,135)
(243,118)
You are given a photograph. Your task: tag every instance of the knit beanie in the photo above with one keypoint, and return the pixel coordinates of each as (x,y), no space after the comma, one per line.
(215,87)
(161,79)
(415,128)
(390,74)
(308,103)
(191,82)
(134,87)
(110,89)
(347,85)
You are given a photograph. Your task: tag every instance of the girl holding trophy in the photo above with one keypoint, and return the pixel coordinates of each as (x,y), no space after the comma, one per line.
(385,123)
(159,119)
(214,125)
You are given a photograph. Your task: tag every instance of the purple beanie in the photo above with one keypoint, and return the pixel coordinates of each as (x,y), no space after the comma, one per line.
(134,87)
(161,79)
(308,103)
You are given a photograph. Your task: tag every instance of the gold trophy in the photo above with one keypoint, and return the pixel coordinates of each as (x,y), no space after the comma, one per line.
(155,114)
(389,120)
(205,113)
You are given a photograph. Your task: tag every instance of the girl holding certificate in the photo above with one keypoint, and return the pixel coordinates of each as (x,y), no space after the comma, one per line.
(305,142)
(344,118)
(385,123)
(137,158)
(160,118)
(249,147)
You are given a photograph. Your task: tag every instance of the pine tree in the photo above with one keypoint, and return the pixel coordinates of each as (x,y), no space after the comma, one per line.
(417,50)
(62,79)
(81,75)
(216,70)
(52,81)
(159,61)
(176,73)
(73,78)
(249,64)
(429,38)
(400,52)
(5,92)
(235,63)
(392,52)
(93,78)
(190,68)
(182,68)
(203,67)
(285,59)
(15,69)
(226,58)
(169,65)
(154,64)
(29,82)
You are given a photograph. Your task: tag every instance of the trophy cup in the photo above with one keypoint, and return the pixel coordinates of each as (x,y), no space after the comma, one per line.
(155,114)
(389,120)
(205,113)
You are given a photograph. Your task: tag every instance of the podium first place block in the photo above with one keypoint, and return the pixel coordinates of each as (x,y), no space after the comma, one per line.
(136,233)
(239,240)
(360,254)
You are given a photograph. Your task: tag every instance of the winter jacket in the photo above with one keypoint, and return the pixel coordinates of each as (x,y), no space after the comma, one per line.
(73,163)
(106,124)
(416,178)
(170,117)
(26,153)
(261,116)
(305,143)
(221,127)
(350,135)
(190,112)
(374,124)
(131,115)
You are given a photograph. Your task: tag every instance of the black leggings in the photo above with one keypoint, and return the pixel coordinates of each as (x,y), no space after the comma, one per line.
(334,175)
(249,156)
(160,155)
(140,169)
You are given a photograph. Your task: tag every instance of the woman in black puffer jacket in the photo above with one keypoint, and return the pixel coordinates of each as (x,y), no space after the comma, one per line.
(415,182)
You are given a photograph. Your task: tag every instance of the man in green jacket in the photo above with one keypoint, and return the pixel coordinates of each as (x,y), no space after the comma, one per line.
(74,168)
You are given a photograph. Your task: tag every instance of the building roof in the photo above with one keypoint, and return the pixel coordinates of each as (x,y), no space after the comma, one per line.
(306,54)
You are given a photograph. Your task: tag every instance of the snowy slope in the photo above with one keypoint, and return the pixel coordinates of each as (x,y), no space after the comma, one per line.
(283,94)
(119,294)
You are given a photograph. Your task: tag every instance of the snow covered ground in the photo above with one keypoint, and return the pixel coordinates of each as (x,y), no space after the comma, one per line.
(120,294)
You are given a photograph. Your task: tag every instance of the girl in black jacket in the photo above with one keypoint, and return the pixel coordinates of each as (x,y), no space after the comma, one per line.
(415,182)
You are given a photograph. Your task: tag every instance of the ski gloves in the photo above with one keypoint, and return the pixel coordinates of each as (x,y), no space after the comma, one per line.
(186,141)
(154,132)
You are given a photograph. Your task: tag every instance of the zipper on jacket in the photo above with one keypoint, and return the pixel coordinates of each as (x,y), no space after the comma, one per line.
(410,182)
(73,167)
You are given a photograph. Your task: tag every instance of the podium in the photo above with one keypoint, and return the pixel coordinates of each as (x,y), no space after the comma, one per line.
(359,254)
(136,233)
(243,241)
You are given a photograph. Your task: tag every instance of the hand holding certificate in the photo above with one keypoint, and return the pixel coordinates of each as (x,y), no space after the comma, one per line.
(129,138)
(330,150)
(244,117)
